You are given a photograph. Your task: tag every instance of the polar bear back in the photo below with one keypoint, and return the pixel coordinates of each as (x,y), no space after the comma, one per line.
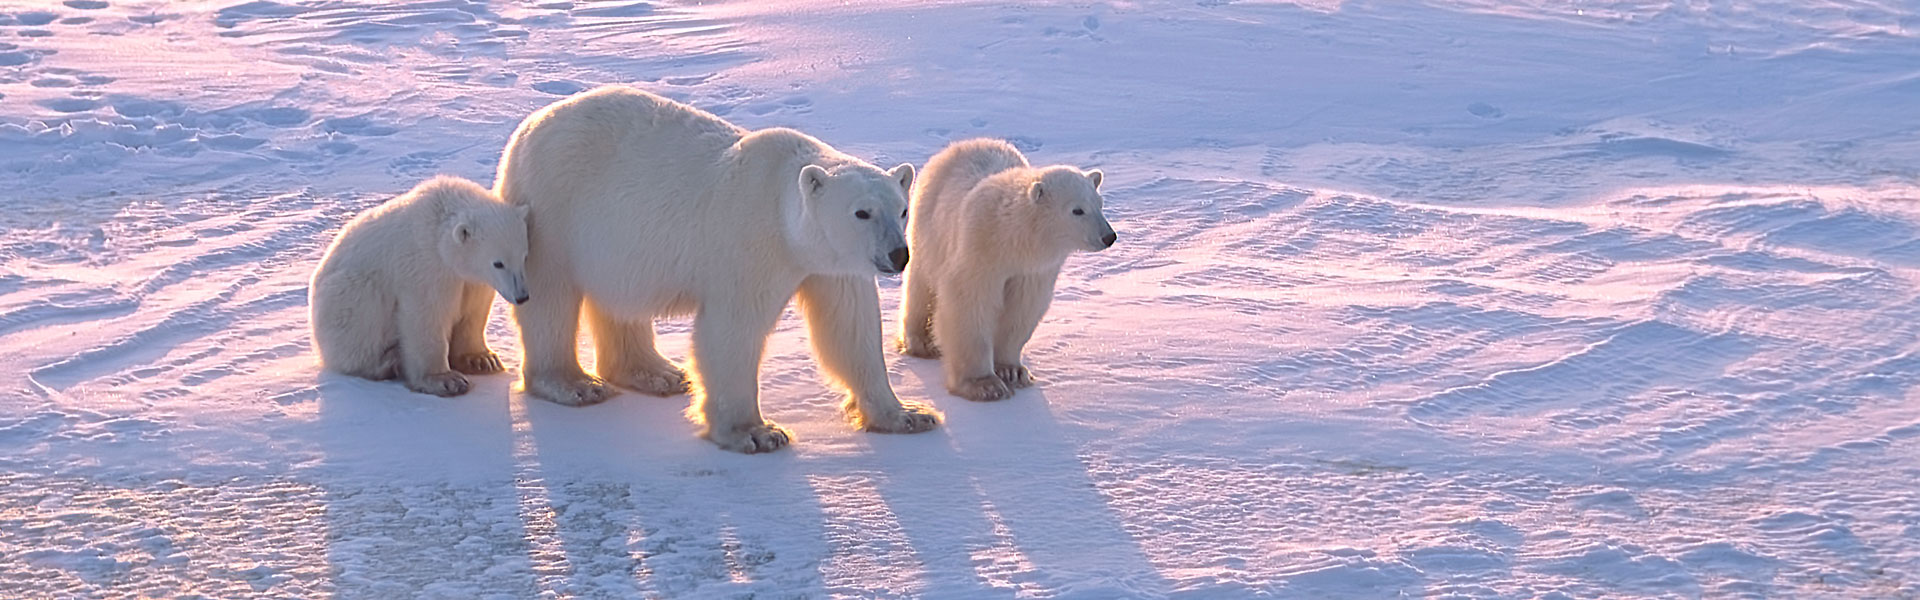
(654,194)
(397,242)
(614,135)
(939,208)
(943,208)
(955,171)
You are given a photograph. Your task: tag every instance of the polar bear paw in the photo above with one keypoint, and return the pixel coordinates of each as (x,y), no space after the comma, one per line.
(476,363)
(575,391)
(1015,375)
(911,417)
(752,439)
(440,384)
(669,381)
(985,388)
(917,346)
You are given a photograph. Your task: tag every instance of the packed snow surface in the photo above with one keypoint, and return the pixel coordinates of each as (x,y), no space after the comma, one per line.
(1465,298)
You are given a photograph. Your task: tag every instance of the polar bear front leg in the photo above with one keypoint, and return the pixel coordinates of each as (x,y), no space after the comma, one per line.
(626,355)
(964,323)
(729,337)
(843,323)
(1026,303)
(549,326)
(425,324)
(467,350)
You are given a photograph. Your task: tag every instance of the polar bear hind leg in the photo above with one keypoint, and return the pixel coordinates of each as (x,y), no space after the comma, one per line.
(625,355)
(549,325)
(354,329)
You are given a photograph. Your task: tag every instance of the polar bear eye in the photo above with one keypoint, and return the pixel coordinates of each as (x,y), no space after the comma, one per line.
(499,265)
(903,214)
(861,214)
(1079,212)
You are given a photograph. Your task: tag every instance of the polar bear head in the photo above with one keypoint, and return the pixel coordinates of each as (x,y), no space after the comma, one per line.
(859,214)
(487,241)
(1068,209)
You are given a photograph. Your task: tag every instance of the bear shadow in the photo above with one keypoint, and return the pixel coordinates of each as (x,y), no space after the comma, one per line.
(616,499)
(383,448)
(642,507)
(621,499)
(1003,493)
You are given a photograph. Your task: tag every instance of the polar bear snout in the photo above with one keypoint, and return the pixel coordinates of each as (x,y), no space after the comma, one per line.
(513,289)
(894,262)
(1101,238)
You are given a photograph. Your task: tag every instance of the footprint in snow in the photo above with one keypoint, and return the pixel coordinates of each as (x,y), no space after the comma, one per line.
(9,59)
(559,87)
(1485,111)
(278,116)
(69,105)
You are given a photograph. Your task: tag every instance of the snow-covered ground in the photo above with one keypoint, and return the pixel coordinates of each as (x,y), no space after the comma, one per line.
(1465,298)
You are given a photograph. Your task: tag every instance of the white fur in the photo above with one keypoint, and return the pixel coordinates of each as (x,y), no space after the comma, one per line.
(644,207)
(404,289)
(989,234)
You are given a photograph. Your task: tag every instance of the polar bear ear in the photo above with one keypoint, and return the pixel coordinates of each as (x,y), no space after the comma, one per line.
(1035,192)
(904,175)
(462,232)
(812,180)
(1095,176)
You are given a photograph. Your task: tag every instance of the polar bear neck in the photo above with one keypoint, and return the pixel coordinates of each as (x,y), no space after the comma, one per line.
(440,209)
(773,157)
(806,244)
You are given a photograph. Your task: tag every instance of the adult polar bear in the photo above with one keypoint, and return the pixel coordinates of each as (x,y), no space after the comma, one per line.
(643,207)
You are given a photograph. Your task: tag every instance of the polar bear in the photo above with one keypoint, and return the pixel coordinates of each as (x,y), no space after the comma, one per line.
(404,289)
(989,234)
(643,207)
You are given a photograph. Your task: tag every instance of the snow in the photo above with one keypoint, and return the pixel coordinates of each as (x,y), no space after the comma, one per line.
(1459,298)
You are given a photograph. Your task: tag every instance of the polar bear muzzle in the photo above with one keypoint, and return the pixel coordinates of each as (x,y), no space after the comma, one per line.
(511,285)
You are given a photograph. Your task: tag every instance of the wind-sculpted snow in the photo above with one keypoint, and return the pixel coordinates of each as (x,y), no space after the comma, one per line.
(1464,299)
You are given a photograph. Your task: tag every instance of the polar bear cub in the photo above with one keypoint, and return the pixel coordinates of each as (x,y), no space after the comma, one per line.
(403,292)
(988,234)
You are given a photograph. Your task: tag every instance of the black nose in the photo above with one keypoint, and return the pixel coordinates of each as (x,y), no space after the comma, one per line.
(522,299)
(1110,238)
(899,258)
